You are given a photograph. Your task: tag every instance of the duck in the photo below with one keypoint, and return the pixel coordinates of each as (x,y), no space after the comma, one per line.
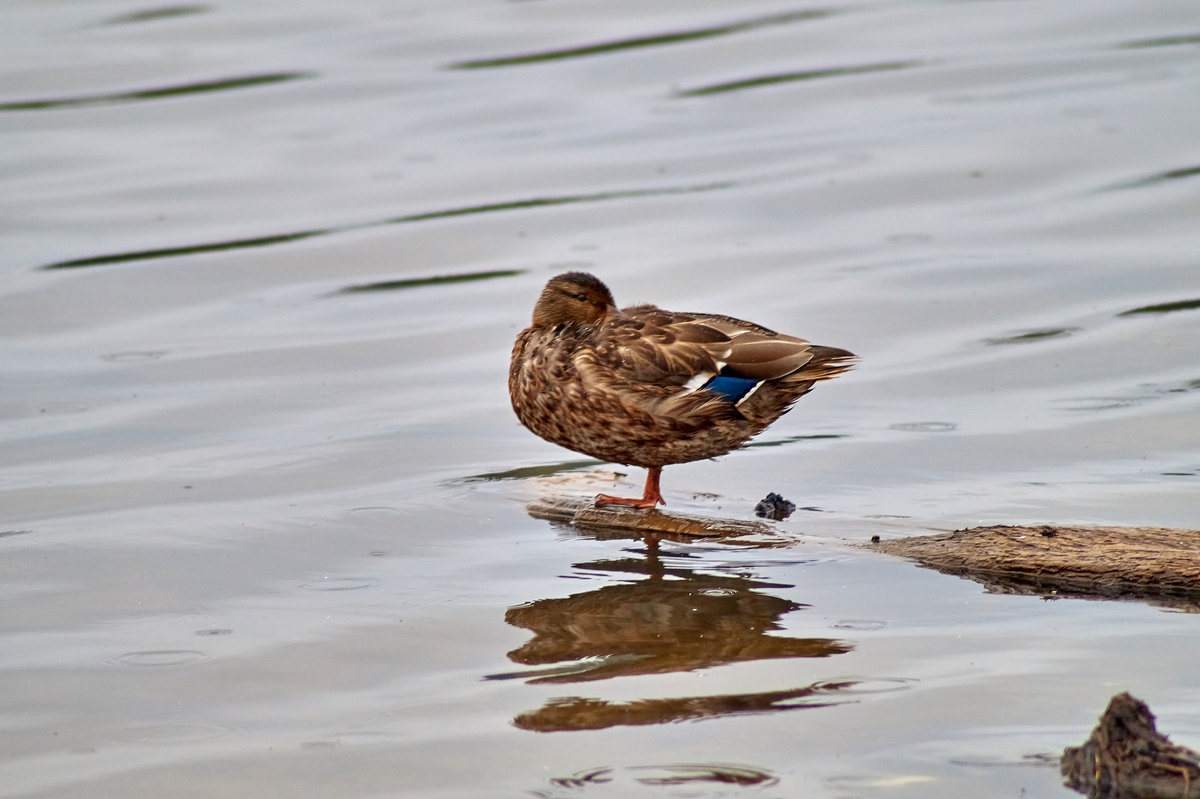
(646,387)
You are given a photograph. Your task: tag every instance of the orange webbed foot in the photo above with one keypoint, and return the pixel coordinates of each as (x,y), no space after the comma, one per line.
(650,497)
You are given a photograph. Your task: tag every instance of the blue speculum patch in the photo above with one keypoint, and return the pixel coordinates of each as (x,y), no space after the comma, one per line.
(731,388)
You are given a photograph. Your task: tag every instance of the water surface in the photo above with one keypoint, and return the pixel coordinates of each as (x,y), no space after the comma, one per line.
(262,499)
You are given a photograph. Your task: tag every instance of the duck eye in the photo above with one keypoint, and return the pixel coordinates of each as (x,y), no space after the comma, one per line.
(581,297)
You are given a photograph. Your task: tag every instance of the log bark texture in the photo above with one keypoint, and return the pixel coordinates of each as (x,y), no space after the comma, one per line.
(624,522)
(1157,564)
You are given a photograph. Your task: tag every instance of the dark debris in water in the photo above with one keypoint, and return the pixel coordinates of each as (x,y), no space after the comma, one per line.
(774,506)
(1126,756)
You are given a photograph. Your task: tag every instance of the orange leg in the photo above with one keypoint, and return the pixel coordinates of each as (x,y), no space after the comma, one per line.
(650,497)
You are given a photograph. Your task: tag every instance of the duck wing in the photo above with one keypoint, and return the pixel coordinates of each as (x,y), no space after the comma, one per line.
(647,345)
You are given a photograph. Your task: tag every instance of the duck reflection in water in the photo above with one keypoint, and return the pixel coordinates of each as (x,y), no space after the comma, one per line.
(672,619)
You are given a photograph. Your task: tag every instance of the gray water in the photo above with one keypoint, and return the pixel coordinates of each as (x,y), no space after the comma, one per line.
(262,498)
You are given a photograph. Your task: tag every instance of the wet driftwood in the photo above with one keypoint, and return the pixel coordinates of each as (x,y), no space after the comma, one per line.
(585,514)
(1126,757)
(1157,564)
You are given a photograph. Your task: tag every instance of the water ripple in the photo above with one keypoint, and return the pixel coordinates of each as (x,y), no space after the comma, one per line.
(1031,336)
(790,77)
(1182,173)
(1146,392)
(688,774)
(526,472)
(418,282)
(924,427)
(1161,41)
(155,14)
(1163,307)
(159,657)
(200,87)
(340,584)
(425,216)
(173,733)
(636,42)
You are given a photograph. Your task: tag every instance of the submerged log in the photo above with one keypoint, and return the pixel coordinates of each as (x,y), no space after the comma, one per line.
(625,521)
(1126,757)
(1157,564)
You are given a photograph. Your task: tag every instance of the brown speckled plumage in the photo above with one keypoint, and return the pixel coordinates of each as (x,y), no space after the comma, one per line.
(629,386)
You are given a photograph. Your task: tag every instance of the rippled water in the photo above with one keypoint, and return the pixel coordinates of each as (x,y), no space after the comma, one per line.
(262,524)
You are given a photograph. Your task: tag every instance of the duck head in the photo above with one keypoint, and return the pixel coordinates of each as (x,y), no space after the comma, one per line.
(574,298)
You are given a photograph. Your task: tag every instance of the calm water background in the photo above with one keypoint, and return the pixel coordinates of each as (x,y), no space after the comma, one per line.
(262,525)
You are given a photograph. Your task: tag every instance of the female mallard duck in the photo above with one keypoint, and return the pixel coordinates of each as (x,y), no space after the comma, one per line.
(647,387)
